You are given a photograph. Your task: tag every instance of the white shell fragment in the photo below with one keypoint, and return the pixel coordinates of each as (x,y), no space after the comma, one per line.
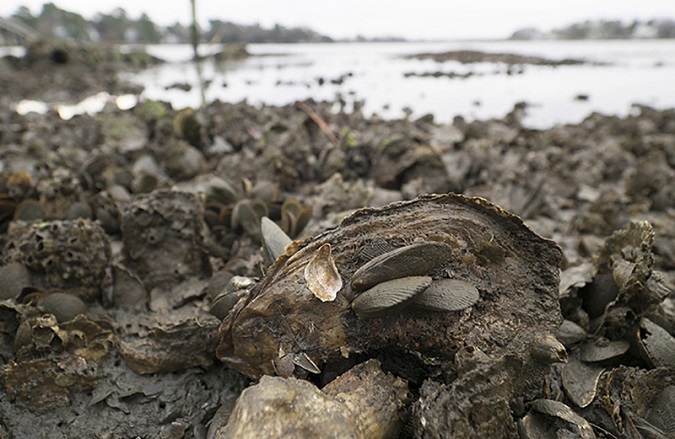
(447,295)
(322,276)
(389,297)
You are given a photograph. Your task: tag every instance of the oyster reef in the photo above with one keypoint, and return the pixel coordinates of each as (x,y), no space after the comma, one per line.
(504,276)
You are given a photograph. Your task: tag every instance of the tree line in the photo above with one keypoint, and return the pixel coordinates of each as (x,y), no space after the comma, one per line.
(603,30)
(118,27)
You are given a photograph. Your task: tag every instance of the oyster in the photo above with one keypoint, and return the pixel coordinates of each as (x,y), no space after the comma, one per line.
(363,403)
(321,275)
(515,270)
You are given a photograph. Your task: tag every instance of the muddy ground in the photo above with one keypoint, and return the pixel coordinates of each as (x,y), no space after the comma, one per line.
(119,230)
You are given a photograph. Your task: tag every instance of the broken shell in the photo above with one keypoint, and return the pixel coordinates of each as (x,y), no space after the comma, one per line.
(63,306)
(656,344)
(128,290)
(411,260)
(447,295)
(535,426)
(548,350)
(389,297)
(274,240)
(285,364)
(603,350)
(661,413)
(322,276)
(570,333)
(580,381)
(306,363)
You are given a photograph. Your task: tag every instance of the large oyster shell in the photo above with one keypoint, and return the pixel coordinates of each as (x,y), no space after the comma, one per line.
(515,271)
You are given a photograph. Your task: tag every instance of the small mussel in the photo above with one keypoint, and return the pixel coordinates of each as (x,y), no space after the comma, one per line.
(29,210)
(411,260)
(236,288)
(548,350)
(274,240)
(63,306)
(247,214)
(447,295)
(389,297)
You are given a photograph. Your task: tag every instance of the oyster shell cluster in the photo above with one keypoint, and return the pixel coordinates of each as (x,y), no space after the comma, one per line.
(441,246)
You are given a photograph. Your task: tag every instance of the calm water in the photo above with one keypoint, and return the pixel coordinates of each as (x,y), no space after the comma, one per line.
(640,72)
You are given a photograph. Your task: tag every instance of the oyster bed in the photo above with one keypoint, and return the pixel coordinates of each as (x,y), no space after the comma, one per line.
(125,234)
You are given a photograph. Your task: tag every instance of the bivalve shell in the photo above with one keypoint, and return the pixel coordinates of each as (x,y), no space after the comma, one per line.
(389,297)
(63,306)
(657,345)
(411,260)
(580,381)
(447,295)
(603,350)
(274,240)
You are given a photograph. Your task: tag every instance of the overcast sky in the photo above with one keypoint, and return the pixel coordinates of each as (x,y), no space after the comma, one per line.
(414,19)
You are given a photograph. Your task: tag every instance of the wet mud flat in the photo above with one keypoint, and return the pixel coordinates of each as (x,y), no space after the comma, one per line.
(513,64)
(141,295)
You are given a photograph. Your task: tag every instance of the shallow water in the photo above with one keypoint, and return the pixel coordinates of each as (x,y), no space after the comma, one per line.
(638,72)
